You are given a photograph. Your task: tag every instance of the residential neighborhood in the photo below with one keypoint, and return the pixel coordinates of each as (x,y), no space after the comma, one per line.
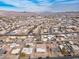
(37,37)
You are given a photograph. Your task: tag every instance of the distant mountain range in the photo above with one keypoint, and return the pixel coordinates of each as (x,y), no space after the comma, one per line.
(10,13)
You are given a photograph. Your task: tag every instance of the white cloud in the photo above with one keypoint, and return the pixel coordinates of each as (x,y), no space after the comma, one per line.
(43,6)
(29,6)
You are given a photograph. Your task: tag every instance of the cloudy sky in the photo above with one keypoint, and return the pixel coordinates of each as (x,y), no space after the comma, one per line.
(40,5)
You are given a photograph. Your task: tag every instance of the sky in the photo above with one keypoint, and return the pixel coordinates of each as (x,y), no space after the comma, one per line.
(40,5)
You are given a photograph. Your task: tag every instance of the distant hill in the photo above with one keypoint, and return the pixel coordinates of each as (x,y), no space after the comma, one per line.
(13,13)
